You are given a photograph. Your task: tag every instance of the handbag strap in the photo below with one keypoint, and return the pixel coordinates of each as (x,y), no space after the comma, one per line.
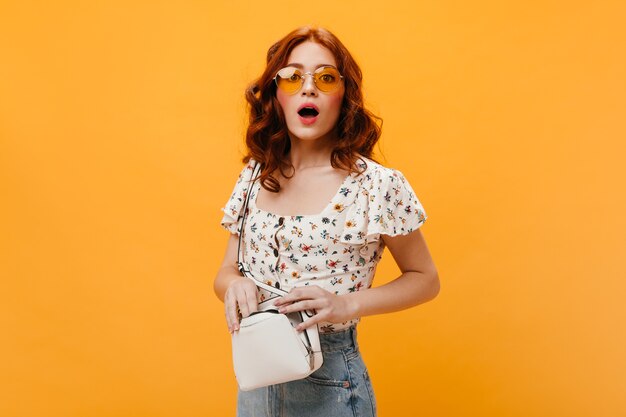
(310,333)
(242,215)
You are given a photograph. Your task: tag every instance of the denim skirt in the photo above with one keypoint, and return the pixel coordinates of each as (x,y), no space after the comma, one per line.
(340,388)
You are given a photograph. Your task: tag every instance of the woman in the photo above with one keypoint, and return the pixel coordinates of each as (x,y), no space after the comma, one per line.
(320,215)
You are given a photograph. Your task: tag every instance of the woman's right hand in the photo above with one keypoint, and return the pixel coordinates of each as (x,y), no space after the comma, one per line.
(240,295)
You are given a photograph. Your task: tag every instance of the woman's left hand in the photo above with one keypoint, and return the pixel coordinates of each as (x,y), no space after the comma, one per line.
(329,307)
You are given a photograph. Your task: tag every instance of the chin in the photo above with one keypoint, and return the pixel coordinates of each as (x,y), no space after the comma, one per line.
(307,137)
(308,134)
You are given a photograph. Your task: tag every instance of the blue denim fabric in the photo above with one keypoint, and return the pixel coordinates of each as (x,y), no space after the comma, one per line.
(341,387)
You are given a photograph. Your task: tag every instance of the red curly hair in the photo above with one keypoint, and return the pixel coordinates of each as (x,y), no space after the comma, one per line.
(267,136)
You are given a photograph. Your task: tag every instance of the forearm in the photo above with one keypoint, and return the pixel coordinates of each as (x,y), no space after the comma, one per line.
(408,290)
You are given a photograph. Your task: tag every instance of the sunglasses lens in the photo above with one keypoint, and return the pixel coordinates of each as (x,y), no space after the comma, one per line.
(289,79)
(327,79)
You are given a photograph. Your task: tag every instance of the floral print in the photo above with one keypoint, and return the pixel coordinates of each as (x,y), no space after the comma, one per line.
(337,249)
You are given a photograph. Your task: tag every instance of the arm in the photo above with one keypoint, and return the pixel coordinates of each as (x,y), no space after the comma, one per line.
(233,288)
(418,283)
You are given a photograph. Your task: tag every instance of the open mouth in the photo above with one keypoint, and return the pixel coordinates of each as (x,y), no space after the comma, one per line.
(308,112)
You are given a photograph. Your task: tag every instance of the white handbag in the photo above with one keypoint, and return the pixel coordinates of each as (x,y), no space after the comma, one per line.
(267,349)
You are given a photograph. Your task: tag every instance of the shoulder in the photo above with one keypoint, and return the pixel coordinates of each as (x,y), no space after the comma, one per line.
(245,175)
(249,166)
(385,204)
(243,181)
(234,205)
(375,174)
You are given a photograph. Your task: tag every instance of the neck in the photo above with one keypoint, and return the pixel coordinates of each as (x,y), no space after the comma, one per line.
(310,153)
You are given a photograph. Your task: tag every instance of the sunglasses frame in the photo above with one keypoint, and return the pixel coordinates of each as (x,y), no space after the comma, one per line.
(312,74)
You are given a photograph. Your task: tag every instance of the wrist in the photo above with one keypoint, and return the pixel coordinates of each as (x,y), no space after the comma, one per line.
(224,280)
(353,305)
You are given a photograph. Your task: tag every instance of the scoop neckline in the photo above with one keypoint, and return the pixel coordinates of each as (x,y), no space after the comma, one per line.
(328,208)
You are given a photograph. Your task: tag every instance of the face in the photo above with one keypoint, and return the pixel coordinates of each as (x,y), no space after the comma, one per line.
(304,124)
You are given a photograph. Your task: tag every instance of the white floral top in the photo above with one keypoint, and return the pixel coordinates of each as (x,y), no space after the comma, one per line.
(337,249)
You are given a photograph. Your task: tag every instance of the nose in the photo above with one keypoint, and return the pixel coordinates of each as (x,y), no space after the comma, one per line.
(308,87)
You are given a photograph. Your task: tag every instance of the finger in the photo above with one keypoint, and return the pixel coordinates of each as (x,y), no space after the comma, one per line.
(310,322)
(231,315)
(226,314)
(251,300)
(227,321)
(300,306)
(296,294)
(242,301)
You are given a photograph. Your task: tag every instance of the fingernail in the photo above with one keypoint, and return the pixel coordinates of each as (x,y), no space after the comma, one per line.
(281,310)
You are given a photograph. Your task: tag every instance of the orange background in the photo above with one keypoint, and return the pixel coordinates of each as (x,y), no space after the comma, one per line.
(121,128)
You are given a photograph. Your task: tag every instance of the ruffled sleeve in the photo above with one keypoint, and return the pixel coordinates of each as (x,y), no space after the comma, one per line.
(234,205)
(385,205)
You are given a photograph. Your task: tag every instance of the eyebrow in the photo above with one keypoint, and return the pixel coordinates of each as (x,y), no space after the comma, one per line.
(298,65)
